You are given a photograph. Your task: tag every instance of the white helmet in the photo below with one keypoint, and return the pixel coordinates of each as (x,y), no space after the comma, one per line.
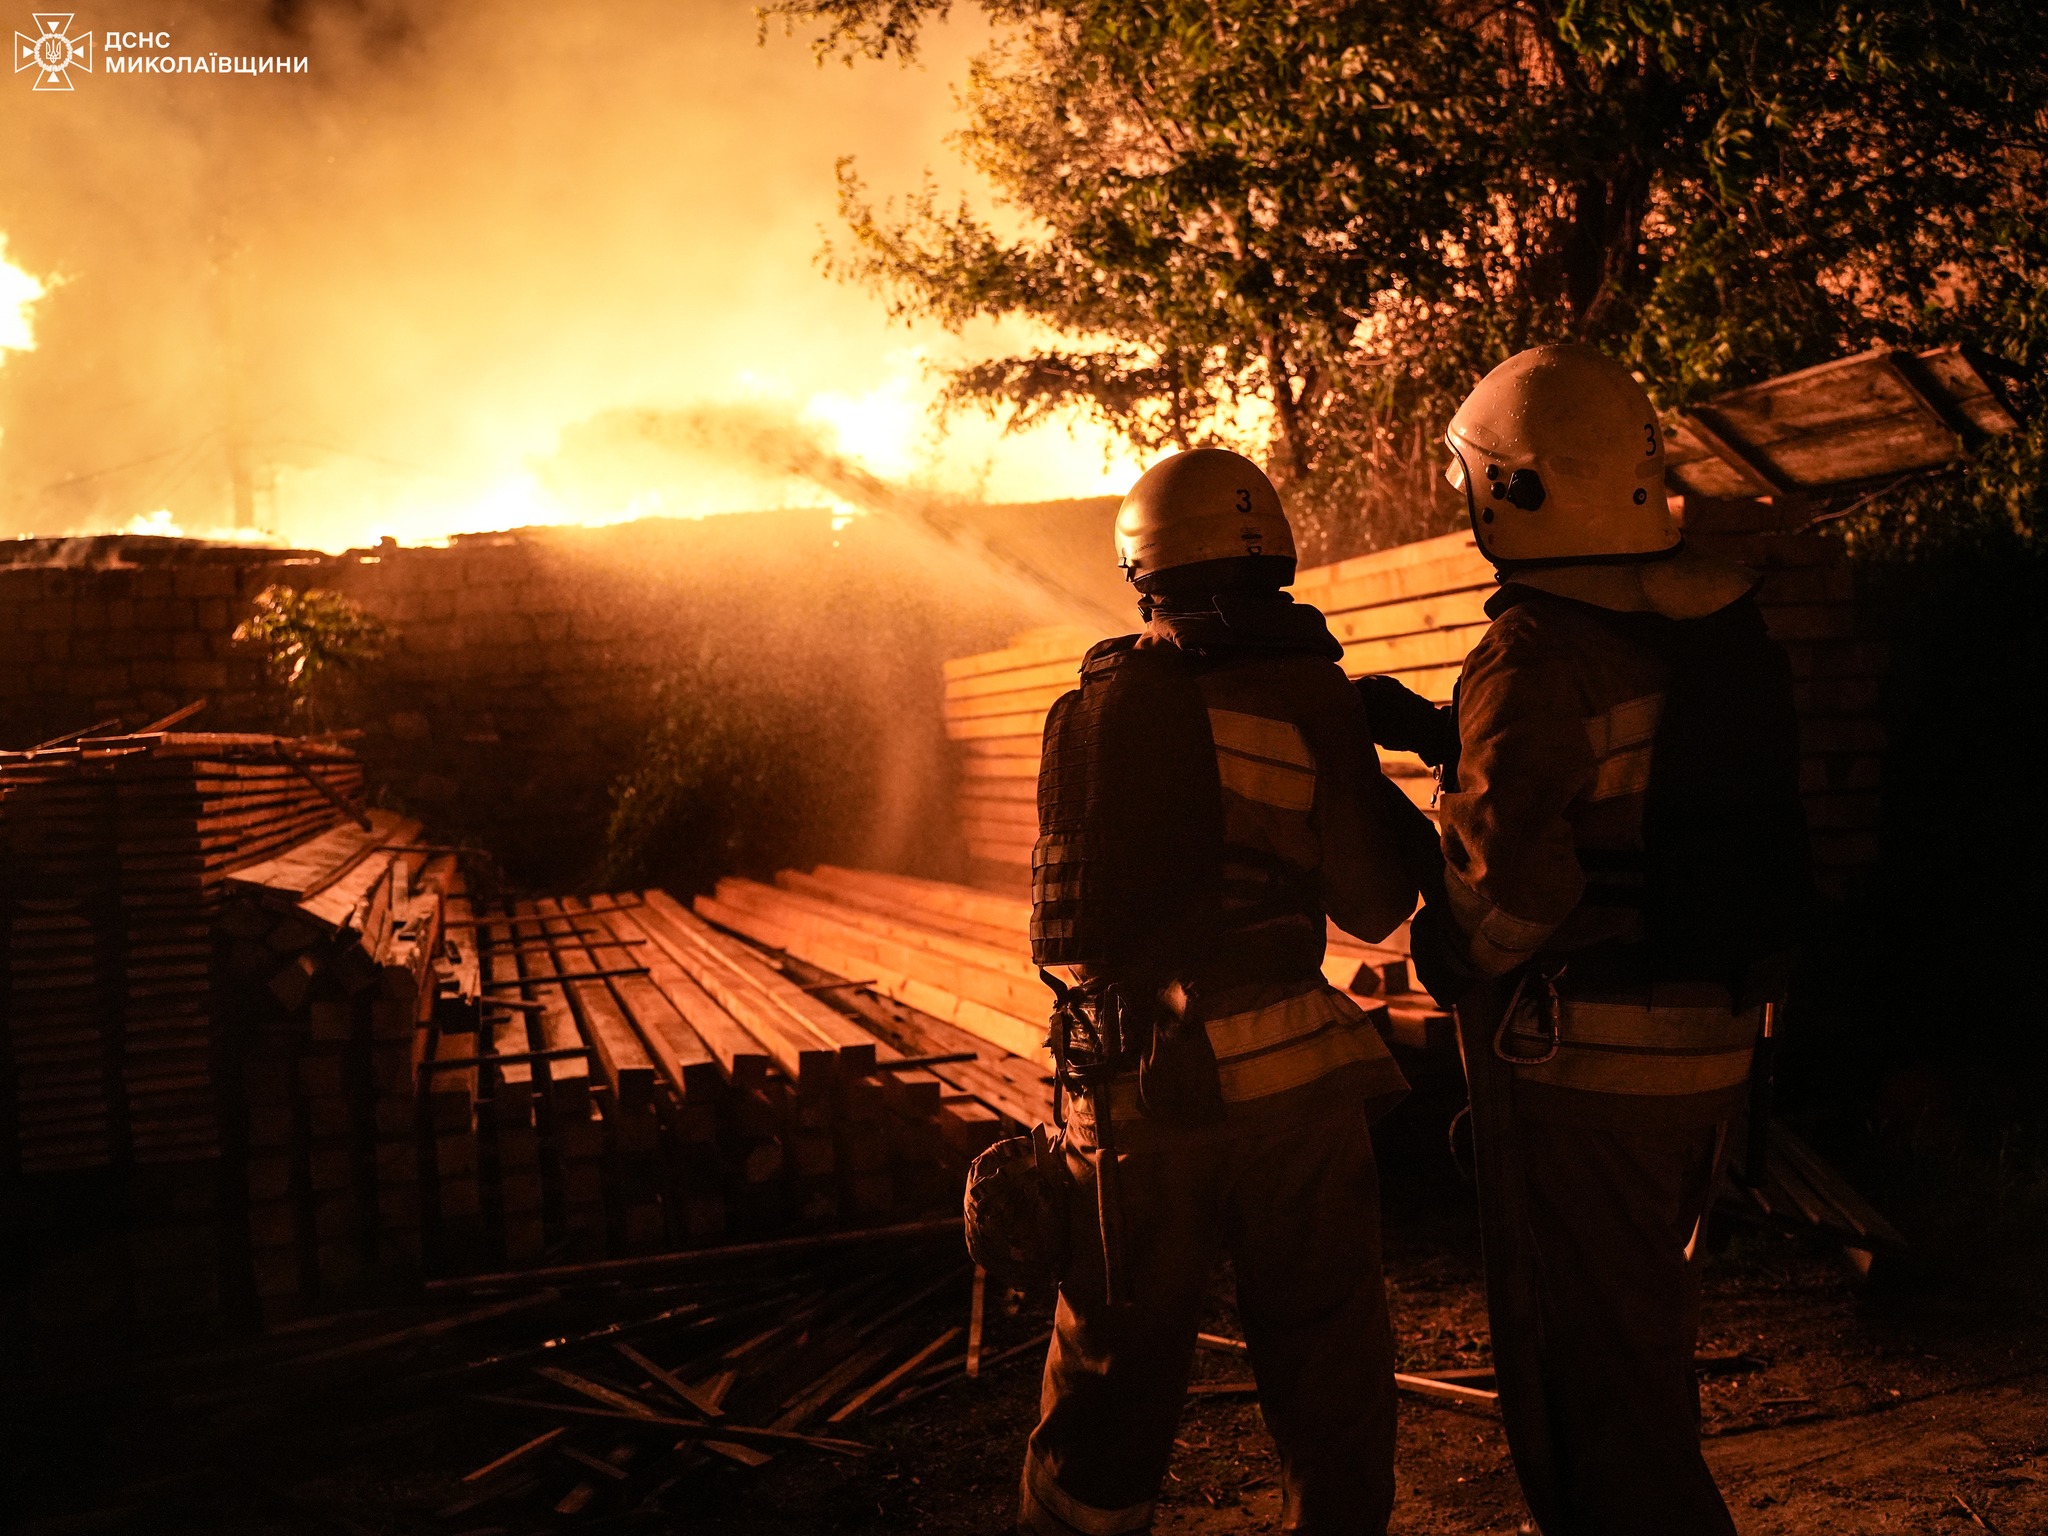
(1561,460)
(1202,505)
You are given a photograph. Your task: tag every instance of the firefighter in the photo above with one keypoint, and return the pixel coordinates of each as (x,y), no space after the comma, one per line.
(1625,873)
(1209,798)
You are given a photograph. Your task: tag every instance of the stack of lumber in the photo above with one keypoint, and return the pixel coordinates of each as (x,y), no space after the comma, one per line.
(327,958)
(1798,1192)
(614,1075)
(947,970)
(116,852)
(1413,613)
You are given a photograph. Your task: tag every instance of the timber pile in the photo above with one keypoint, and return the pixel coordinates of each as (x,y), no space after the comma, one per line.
(623,1078)
(116,853)
(946,969)
(327,960)
(1413,613)
(404,1079)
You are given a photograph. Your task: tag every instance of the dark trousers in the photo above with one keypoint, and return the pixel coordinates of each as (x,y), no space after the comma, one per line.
(1593,1302)
(1296,1206)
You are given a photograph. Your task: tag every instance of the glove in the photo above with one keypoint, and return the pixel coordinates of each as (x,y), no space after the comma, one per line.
(1404,721)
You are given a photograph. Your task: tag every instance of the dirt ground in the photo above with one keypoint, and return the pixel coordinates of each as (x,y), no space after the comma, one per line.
(1914,1402)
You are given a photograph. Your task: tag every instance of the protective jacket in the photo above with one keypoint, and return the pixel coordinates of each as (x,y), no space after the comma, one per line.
(1206,796)
(1625,834)
(1626,867)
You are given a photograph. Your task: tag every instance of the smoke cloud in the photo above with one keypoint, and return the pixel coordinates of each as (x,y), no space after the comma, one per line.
(395,284)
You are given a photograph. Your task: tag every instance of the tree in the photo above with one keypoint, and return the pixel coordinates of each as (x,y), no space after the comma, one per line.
(1343,213)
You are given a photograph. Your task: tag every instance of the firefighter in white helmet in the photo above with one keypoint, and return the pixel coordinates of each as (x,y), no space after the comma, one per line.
(1209,799)
(1625,875)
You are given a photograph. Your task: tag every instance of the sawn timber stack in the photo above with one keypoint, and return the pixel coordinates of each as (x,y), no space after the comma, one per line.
(944,969)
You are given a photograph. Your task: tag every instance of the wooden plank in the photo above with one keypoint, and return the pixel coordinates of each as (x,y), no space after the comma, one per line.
(1022,701)
(452,1093)
(1043,648)
(803,1058)
(996,749)
(1446,546)
(741,1057)
(770,900)
(1064,673)
(1759,475)
(1408,653)
(934,895)
(1015,789)
(1969,393)
(875,1389)
(1458,572)
(1028,724)
(997,851)
(991,769)
(1421,616)
(686,1059)
(864,898)
(921,979)
(1001,978)
(1008,1084)
(309,867)
(855,1045)
(575,1011)
(338,904)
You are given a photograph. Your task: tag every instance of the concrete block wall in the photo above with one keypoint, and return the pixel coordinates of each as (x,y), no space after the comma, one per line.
(524,671)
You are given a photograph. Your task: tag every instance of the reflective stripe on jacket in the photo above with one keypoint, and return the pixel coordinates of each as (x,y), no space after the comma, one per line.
(1297,1040)
(1629,1048)
(1204,848)
(1559,711)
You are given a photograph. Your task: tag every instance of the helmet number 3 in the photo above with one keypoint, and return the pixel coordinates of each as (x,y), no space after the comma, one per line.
(1244,499)
(1650,437)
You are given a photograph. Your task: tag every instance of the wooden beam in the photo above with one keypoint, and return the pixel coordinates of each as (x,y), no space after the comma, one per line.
(802,1057)
(856,1047)
(934,983)
(684,1057)
(1736,454)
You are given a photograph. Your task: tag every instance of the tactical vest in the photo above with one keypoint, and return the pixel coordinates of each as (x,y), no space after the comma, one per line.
(1719,888)
(1145,874)
(1724,879)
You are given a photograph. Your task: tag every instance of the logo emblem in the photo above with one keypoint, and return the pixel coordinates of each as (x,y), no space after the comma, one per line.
(53,51)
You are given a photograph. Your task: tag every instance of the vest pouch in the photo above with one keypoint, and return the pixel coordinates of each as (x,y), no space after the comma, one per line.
(1177,1081)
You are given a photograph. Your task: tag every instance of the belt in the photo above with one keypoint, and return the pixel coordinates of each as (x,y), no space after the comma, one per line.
(1606,1047)
(1281,1045)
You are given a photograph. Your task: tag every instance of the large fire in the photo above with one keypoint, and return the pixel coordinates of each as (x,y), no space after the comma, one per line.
(19,291)
(425,288)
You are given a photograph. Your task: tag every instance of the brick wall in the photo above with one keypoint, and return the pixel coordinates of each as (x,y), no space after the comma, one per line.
(524,670)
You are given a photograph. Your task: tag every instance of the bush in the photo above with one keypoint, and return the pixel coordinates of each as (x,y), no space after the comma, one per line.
(739,774)
(311,642)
